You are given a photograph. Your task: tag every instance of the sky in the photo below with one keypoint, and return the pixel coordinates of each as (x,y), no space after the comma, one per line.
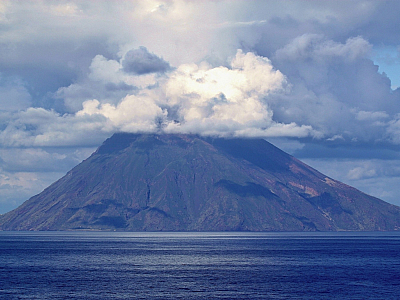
(319,79)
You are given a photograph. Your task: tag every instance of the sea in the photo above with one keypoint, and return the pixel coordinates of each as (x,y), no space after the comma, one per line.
(199,265)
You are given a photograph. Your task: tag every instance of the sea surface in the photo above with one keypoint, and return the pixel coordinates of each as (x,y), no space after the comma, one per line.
(112,265)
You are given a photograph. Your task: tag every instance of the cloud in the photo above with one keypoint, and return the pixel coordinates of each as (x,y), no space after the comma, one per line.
(204,100)
(16,187)
(336,89)
(140,61)
(393,130)
(40,127)
(51,44)
(230,94)
(41,160)
(361,172)
(13,95)
(201,99)
(133,114)
(106,81)
(317,47)
(29,159)
(371,116)
(314,92)
(25,172)
(312,87)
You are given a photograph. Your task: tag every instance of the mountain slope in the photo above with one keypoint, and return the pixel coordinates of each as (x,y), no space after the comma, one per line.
(148,182)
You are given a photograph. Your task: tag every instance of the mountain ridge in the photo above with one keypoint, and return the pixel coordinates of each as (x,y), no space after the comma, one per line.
(177,182)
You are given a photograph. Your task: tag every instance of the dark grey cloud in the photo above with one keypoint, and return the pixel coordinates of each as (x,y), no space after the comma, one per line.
(50,159)
(376,21)
(14,95)
(74,95)
(141,61)
(46,66)
(336,89)
(380,27)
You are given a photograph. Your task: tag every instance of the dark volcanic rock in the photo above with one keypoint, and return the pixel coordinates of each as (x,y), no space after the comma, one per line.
(149,182)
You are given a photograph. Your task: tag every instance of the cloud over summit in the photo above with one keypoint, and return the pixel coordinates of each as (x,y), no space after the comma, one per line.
(312,87)
(199,99)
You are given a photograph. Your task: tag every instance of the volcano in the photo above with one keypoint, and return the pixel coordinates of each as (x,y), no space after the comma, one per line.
(150,182)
